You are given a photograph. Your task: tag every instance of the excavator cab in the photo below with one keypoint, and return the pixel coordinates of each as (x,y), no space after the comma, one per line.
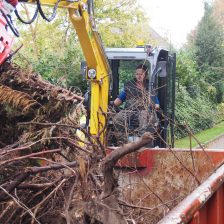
(161,85)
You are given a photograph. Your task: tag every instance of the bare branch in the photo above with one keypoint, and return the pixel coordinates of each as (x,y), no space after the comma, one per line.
(110,161)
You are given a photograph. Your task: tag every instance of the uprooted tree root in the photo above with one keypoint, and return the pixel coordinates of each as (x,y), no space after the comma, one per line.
(49,173)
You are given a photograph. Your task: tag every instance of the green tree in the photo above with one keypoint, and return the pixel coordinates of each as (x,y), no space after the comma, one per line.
(209,50)
(121,23)
(218,11)
(53,48)
(197,112)
(209,42)
(186,69)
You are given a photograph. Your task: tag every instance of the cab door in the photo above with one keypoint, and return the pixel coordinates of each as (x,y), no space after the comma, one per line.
(165,88)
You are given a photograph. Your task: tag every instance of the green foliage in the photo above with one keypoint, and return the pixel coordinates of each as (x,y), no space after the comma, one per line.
(209,41)
(53,49)
(186,69)
(118,20)
(220,91)
(220,109)
(200,72)
(198,113)
(209,52)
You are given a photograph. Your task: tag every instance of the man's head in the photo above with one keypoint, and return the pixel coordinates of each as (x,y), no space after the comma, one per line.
(141,73)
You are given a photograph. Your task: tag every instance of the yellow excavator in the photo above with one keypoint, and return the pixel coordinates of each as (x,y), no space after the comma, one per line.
(102,66)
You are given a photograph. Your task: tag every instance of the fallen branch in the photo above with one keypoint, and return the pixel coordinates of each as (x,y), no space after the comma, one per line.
(20,204)
(106,210)
(109,162)
(29,155)
(32,171)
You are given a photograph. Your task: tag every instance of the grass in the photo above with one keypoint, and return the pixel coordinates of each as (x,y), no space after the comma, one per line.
(202,137)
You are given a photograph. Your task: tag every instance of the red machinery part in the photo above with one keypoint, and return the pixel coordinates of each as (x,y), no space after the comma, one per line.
(12,2)
(6,40)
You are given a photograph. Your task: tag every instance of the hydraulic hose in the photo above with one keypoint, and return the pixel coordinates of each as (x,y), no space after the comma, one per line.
(90,7)
(42,13)
(27,22)
(9,23)
(91,12)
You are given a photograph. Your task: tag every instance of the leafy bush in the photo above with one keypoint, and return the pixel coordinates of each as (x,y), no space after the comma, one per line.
(187,69)
(220,109)
(198,113)
(61,67)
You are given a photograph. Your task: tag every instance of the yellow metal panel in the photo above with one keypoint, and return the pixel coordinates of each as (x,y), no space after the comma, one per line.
(94,122)
(96,59)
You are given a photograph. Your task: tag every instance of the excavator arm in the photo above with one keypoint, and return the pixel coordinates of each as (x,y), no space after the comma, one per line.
(6,39)
(98,70)
(97,65)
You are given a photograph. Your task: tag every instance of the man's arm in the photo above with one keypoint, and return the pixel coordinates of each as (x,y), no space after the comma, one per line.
(120,99)
(157,106)
(154,103)
(117,102)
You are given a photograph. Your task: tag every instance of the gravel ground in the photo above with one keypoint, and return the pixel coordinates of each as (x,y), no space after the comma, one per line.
(218,143)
